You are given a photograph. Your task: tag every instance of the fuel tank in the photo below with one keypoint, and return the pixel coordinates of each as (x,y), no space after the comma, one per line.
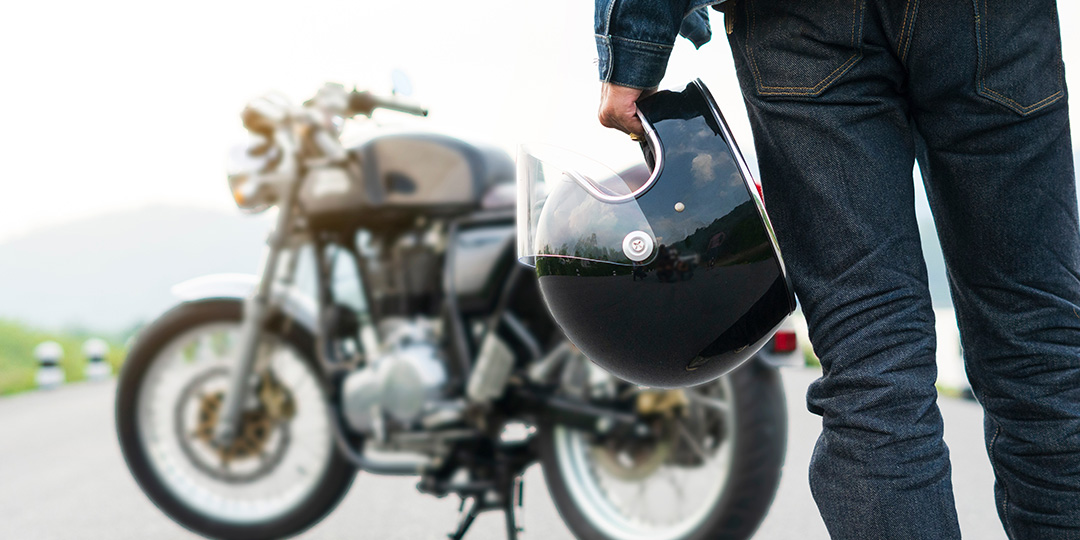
(395,178)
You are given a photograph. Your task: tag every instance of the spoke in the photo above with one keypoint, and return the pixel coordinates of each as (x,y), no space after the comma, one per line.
(691,442)
(679,493)
(675,484)
(711,402)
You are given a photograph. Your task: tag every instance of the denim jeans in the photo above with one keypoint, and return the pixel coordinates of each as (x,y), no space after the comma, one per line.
(843,97)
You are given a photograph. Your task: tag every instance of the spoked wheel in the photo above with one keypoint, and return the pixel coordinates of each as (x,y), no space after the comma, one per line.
(278,476)
(710,470)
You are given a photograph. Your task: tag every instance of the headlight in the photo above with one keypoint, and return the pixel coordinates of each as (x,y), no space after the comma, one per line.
(248,167)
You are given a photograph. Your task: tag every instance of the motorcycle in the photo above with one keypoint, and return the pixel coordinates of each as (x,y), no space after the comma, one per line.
(247,409)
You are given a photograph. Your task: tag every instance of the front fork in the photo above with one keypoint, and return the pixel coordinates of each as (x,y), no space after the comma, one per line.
(257,308)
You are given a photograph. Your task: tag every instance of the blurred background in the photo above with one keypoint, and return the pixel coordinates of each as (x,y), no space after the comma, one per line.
(117,115)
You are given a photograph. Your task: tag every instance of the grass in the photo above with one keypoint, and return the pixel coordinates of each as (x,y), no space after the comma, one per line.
(18,365)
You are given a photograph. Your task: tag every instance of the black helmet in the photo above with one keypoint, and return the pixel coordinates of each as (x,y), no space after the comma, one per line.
(666,281)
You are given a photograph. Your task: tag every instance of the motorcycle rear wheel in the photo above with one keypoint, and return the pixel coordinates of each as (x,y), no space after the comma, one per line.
(744,471)
(155,345)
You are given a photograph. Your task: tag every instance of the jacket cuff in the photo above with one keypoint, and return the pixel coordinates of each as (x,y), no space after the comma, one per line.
(632,63)
(695,27)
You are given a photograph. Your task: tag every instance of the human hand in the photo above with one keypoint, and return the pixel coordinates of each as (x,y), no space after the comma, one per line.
(618,109)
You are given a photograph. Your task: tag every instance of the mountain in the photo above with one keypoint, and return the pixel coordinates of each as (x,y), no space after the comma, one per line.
(110,272)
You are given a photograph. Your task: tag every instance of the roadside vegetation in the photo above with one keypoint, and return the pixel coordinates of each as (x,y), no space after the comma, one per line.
(18,365)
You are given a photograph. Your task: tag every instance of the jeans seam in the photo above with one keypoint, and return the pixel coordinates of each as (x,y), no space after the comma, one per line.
(799,90)
(607,17)
(641,42)
(907,30)
(1004,487)
(982,37)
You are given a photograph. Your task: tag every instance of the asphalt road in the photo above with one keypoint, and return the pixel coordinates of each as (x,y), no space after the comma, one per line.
(62,476)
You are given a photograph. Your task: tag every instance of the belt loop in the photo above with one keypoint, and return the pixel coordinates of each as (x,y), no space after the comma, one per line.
(728,8)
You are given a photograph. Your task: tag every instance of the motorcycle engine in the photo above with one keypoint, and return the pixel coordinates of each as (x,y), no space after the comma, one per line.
(397,384)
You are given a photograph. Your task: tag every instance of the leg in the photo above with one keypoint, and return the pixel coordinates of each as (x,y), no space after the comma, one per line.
(997,162)
(835,150)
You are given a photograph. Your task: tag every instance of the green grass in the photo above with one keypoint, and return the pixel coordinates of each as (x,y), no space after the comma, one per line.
(18,365)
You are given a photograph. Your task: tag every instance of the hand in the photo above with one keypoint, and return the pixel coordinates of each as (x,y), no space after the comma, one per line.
(618,108)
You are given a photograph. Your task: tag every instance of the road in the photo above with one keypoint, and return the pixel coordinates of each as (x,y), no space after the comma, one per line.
(62,477)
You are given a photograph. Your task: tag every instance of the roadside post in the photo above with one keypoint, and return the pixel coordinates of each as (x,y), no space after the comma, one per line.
(49,374)
(97,369)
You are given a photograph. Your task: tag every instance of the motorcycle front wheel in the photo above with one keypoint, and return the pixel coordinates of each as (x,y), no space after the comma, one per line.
(711,474)
(281,475)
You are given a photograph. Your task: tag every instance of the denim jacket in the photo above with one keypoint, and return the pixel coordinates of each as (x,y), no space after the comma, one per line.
(634,37)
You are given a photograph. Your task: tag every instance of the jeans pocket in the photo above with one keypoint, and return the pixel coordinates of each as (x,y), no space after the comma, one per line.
(800,48)
(1020,63)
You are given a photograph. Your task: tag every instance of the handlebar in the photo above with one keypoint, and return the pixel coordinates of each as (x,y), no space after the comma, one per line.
(364,102)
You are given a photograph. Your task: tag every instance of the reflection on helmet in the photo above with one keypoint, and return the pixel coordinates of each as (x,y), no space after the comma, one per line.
(711,291)
(575,224)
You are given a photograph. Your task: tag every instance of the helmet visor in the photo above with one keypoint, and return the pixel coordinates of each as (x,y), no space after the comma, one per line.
(570,206)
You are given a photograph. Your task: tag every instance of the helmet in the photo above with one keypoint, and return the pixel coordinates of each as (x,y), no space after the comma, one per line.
(666,280)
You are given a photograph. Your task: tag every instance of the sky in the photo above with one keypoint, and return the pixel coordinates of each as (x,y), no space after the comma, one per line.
(118,104)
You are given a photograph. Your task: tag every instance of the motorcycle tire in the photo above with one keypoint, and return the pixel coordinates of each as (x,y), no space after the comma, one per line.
(330,487)
(757,457)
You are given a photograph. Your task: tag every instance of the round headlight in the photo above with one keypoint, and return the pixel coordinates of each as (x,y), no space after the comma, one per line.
(245,165)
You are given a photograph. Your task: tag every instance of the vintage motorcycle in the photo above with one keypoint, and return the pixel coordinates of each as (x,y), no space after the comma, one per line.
(425,350)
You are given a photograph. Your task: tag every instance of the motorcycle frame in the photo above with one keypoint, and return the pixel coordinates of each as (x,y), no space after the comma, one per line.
(529,398)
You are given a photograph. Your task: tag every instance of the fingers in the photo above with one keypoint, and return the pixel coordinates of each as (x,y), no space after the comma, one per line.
(618,109)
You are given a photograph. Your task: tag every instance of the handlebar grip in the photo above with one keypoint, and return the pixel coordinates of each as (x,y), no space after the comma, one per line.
(365,103)
(404,107)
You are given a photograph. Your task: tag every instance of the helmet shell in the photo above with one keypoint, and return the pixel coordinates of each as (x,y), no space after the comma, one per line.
(711,287)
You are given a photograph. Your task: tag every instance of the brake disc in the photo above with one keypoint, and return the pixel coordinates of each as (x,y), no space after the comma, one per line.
(632,460)
(250,455)
(250,440)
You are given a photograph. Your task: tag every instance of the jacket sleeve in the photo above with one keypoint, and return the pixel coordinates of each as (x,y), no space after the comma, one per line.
(634,38)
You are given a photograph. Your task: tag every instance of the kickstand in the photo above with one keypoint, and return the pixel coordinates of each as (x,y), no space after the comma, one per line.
(510,503)
(467,516)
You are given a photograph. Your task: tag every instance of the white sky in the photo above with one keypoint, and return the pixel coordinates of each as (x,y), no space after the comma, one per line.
(114,104)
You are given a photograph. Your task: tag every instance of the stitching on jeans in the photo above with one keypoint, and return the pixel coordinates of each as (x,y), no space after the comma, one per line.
(909,26)
(607,16)
(799,90)
(983,49)
(903,28)
(640,42)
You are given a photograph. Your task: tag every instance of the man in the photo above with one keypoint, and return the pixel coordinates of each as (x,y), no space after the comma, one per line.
(843,96)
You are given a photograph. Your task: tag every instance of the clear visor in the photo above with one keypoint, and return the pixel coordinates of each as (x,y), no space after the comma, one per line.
(570,206)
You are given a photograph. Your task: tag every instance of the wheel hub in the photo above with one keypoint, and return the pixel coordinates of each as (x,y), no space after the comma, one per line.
(262,433)
(251,436)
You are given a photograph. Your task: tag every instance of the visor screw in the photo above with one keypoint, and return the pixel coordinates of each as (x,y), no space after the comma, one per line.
(679,207)
(637,246)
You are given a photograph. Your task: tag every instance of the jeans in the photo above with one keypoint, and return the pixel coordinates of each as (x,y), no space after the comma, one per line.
(843,96)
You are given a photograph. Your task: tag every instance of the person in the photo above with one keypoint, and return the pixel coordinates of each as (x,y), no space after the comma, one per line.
(843,97)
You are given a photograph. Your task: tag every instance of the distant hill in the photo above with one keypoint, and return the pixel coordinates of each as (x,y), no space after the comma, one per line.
(110,272)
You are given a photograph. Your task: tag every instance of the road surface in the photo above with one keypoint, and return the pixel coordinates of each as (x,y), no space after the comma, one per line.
(62,476)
